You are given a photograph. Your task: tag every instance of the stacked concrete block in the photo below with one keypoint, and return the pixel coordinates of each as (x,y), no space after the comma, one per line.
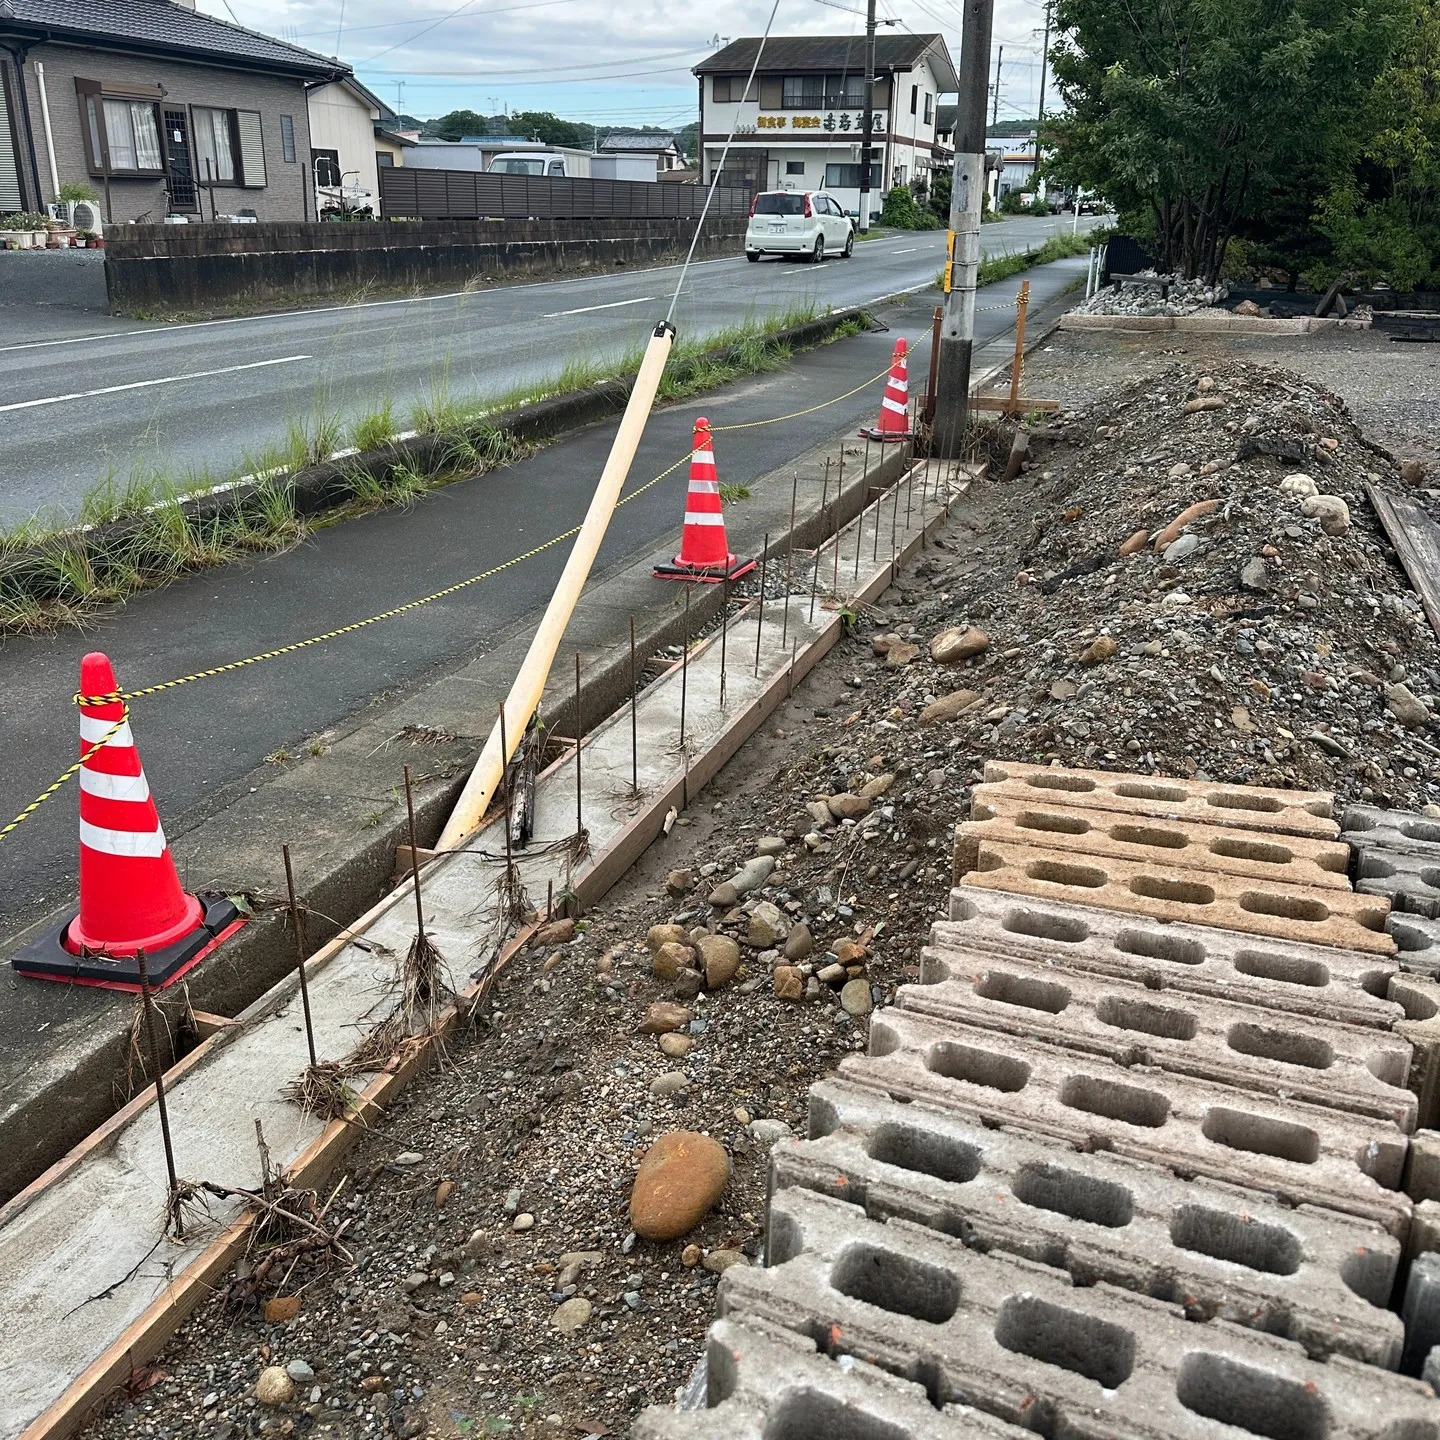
(1417,942)
(1397,854)
(1348,1067)
(1419,997)
(1301,1153)
(1021,1342)
(1274,974)
(764,1382)
(1217,1250)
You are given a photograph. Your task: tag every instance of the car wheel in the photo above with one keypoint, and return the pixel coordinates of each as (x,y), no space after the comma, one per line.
(818,253)
(752,256)
(849,249)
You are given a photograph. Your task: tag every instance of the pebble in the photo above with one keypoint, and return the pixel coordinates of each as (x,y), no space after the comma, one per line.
(557,932)
(1101,648)
(848,807)
(670,1083)
(572,1315)
(670,959)
(680,1177)
(799,942)
(1406,706)
(523,1222)
(898,655)
(662,1016)
(952,646)
(1254,575)
(659,935)
(1330,510)
(413,1281)
(300,1372)
(874,789)
(770,845)
(766,1132)
(767,925)
(274,1387)
(949,707)
(720,956)
(690,1256)
(855,998)
(789,983)
(676,1046)
(717,1262)
(1179,549)
(679,882)
(409,1157)
(753,874)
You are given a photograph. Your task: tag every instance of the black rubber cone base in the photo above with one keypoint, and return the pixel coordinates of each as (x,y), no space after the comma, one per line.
(48,959)
(733,569)
(885,437)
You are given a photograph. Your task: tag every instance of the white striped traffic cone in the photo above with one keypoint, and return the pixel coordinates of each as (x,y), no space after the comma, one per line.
(704,550)
(895,404)
(130,895)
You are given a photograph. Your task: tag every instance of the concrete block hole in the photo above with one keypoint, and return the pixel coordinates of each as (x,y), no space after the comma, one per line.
(1223,1235)
(1056,872)
(1139,790)
(926,1153)
(1251,1399)
(1284,969)
(1287,907)
(1071,1339)
(1261,1135)
(1288,1047)
(1047,1186)
(1149,835)
(897,1283)
(1040,926)
(1155,945)
(1076,784)
(1022,991)
(1127,1103)
(977,1067)
(811,1413)
(1121,1012)
(1239,800)
(1056,824)
(1176,892)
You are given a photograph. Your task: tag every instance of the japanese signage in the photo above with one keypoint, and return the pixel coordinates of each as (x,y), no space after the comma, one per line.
(842,121)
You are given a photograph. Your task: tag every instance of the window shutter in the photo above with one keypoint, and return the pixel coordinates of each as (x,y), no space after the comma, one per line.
(252,149)
(770,92)
(9,169)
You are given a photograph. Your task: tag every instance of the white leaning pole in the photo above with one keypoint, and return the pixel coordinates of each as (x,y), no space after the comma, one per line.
(529,683)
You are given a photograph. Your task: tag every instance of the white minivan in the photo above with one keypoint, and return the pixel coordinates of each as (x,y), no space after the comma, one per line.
(530,162)
(798,222)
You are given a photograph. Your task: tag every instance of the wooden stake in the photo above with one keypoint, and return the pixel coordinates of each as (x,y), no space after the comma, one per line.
(1022,304)
(147,1006)
(300,944)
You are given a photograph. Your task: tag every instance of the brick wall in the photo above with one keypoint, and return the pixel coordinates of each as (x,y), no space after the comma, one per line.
(282,197)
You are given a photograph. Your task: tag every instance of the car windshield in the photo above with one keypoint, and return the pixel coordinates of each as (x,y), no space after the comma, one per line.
(520,167)
(780,205)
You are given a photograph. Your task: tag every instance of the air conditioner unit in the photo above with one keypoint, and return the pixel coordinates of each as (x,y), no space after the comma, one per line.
(60,210)
(85,215)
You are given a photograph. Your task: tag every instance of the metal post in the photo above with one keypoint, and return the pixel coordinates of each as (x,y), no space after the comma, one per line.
(634,730)
(579,792)
(724,631)
(789,559)
(415,852)
(684,666)
(957,332)
(300,943)
(935,320)
(815,568)
(147,1005)
(504,800)
(760,608)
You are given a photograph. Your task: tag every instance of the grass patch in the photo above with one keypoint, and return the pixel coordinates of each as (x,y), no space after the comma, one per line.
(138,533)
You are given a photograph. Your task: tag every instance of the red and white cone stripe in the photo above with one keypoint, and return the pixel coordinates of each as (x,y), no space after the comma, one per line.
(117,815)
(702,500)
(895,403)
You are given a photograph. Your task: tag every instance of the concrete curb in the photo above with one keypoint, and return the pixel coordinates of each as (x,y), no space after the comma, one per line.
(1219,323)
(316,489)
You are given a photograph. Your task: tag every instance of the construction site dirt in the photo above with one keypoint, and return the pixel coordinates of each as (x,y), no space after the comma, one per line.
(495,1284)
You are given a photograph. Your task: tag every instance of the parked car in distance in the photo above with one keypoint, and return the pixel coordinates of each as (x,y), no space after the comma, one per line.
(530,162)
(798,222)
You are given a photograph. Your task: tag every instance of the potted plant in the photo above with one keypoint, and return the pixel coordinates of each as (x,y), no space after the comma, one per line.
(86,239)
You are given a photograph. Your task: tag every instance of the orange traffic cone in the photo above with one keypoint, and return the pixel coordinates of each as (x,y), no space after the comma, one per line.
(704,550)
(130,895)
(895,405)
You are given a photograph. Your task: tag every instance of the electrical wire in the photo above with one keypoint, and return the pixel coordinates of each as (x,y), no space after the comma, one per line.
(715,178)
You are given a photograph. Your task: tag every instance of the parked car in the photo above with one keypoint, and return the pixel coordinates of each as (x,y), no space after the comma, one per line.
(798,222)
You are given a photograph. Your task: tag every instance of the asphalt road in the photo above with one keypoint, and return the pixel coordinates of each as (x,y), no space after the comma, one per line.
(85,396)
(202,738)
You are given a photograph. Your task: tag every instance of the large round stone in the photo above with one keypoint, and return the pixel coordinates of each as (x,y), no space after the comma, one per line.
(682,1175)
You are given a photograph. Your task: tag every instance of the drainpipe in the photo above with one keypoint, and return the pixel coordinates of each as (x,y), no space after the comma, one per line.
(19,54)
(45,121)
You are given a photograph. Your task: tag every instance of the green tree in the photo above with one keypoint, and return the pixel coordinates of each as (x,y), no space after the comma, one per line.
(456,124)
(1200,119)
(542,125)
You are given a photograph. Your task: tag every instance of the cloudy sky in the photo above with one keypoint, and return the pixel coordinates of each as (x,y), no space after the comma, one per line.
(610,61)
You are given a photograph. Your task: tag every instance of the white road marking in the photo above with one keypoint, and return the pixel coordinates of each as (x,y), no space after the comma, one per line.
(586,309)
(143,384)
(910,251)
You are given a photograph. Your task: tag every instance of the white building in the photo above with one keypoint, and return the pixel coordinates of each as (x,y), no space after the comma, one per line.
(475,152)
(800,126)
(661,152)
(349,142)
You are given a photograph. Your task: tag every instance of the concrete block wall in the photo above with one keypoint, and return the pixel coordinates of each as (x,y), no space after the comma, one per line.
(1107,1171)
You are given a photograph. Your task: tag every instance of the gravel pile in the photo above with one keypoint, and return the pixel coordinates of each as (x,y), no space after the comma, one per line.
(501,1281)
(1181,297)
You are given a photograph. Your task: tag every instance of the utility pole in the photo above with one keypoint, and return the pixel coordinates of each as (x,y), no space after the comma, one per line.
(866,127)
(957,329)
(1044,64)
(995,109)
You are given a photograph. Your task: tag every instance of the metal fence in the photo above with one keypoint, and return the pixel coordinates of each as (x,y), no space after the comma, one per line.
(468,195)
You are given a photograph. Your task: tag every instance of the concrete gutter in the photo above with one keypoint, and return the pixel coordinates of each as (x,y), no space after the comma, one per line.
(1216,322)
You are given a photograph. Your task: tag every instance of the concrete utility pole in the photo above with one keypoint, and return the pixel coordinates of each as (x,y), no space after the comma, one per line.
(957,329)
(995,106)
(866,128)
(1044,65)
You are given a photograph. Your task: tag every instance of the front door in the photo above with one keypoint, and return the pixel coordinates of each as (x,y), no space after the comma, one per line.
(179,169)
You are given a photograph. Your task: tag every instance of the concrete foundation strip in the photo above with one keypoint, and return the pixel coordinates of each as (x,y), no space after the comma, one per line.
(1247,807)
(1327,983)
(1171,892)
(1020,1341)
(1341,1067)
(1049,821)
(765,1382)
(96,1214)
(1301,1153)
(1314,1275)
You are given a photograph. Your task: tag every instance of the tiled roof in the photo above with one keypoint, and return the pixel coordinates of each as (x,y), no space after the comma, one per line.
(833,53)
(649,144)
(162,27)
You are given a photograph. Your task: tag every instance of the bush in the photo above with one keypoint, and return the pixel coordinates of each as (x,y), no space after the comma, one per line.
(1013,202)
(901,212)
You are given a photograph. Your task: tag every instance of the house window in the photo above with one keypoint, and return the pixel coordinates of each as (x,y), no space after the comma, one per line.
(929,107)
(384,160)
(847,177)
(287,138)
(802,92)
(914,98)
(899,173)
(794,167)
(326,164)
(215,145)
(844,92)
(121,129)
(727,89)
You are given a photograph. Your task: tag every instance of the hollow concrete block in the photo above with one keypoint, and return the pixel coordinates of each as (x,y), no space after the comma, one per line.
(1417,943)
(1410,882)
(1019,1341)
(1422,1166)
(1419,997)
(1276,974)
(1300,1153)
(764,1382)
(1420,1311)
(1343,1067)
(1314,1275)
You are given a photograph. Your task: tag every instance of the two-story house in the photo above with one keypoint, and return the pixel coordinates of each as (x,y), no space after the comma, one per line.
(800,123)
(159,109)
